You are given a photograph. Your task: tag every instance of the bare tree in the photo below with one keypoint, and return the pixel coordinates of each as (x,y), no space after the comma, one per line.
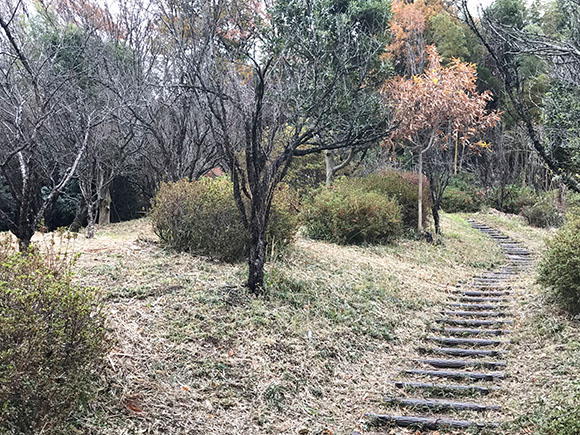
(33,96)
(505,44)
(274,88)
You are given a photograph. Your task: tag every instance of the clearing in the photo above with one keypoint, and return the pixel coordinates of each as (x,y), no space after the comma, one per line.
(195,353)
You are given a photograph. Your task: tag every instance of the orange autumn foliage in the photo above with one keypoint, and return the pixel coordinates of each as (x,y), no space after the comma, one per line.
(408,26)
(440,106)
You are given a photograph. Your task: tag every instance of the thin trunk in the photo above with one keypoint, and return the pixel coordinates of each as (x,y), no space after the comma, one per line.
(435,211)
(420,198)
(330,171)
(257,257)
(90,221)
(105,208)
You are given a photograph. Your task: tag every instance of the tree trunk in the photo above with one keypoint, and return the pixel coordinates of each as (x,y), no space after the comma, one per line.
(24,228)
(435,211)
(90,221)
(330,171)
(24,243)
(420,198)
(80,215)
(105,208)
(257,258)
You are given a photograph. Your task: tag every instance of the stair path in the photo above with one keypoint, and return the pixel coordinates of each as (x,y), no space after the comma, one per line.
(464,358)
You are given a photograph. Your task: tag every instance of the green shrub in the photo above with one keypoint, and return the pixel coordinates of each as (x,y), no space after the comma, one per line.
(201,217)
(543,214)
(402,186)
(573,203)
(515,198)
(52,342)
(559,269)
(457,201)
(346,213)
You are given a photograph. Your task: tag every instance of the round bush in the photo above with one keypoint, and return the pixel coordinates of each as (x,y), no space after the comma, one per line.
(52,343)
(543,214)
(347,214)
(559,269)
(456,201)
(515,198)
(402,186)
(201,217)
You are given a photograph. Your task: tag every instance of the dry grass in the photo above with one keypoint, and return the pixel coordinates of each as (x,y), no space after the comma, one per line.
(195,353)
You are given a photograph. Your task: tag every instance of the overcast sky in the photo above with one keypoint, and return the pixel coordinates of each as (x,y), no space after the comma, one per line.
(475,4)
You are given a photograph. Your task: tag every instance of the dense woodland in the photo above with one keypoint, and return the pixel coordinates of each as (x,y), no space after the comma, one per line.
(235,125)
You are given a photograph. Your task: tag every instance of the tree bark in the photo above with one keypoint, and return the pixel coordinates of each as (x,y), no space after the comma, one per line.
(90,221)
(257,257)
(436,220)
(331,168)
(329,161)
(24,242)
(420,198)
(105,208)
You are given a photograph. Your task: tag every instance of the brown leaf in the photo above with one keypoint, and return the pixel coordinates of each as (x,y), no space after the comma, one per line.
(132,406)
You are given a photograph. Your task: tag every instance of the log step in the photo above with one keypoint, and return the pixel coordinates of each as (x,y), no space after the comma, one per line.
(484,293)
(474,313)
(467,341)
(441,404)
(481,299)
(479,376)
(473,322)
(474,331)
(449,388)
(456,351)
(479,306)
(460,363)
(427,422)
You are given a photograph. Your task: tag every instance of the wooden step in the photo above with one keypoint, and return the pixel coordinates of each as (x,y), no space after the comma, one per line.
(473,331)
(445,388)
(460,363)
(473,322)
(474,313)
(479,306)
(427,422)
(484,293)
(467,341)
(441,404)
(456,351)
(481,299)
(479,376)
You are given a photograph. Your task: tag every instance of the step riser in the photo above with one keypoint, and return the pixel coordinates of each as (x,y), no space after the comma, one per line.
(446,388)
(441,404)
(479,376)
(427,422)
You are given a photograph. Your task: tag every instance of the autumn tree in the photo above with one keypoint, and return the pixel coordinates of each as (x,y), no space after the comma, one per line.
(438,114)
(408,48)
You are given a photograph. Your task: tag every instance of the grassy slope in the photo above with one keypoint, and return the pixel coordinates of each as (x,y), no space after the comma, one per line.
(195,353)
